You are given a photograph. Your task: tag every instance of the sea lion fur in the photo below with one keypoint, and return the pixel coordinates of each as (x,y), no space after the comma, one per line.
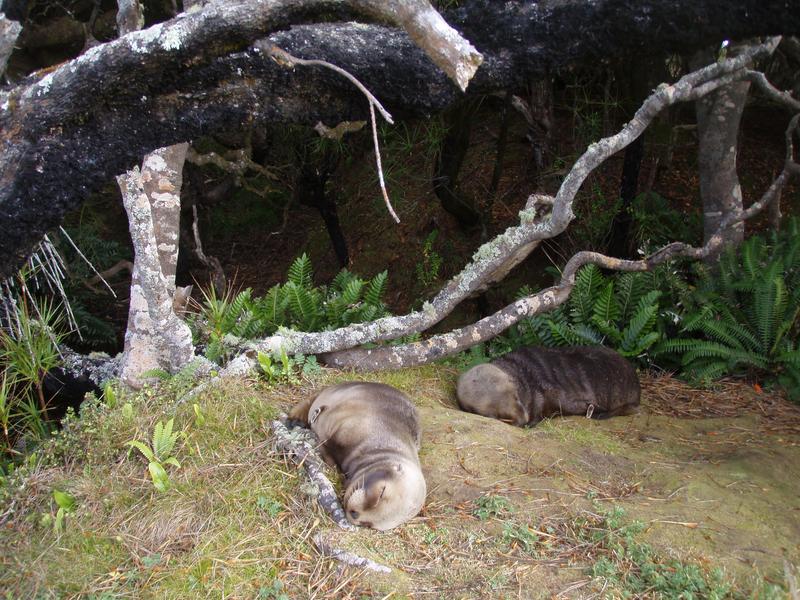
(371,432)
(532,383)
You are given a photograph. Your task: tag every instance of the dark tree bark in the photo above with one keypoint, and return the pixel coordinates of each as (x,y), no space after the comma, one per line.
(67,133)
(449,160)
(310,190)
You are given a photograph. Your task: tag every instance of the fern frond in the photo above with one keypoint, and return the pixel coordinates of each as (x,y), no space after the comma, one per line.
(706,349)
(708,371)
(376,289)
(341,280)
(352,292)
(606,309)
(304,305)
(588,282)
(561,334)
(629,290)
(301,273)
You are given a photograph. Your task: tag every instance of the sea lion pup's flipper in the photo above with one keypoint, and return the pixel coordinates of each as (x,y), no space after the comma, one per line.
(298,416)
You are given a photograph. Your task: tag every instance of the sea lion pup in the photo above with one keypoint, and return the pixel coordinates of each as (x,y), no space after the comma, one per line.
(532,383)
(371,432)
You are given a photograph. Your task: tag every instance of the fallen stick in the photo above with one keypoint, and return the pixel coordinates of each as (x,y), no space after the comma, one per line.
(299,444)
(347,557)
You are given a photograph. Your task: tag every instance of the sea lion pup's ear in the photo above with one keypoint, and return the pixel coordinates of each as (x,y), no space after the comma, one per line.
(398,467)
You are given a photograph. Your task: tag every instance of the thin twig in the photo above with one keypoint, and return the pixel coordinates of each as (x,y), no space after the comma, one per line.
(86,260)
(285,59)
(380,168)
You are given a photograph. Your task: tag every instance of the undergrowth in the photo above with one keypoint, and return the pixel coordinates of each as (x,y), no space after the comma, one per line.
(742,319)
(222,322)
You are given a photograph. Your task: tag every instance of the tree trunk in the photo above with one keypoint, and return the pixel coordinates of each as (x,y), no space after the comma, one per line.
(156,338)
(718,117)
(449,159)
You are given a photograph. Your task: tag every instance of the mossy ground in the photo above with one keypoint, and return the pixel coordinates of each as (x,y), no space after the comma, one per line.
(715,493)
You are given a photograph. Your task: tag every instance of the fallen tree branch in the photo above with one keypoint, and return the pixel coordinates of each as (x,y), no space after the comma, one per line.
(513,244)
(337,347)
(347,557)
(440,346)
(299,444)
(180,66)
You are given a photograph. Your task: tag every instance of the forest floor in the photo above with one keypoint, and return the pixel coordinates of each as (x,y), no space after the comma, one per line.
(698,493)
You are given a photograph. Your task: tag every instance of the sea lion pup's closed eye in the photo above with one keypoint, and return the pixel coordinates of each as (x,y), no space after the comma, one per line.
(532,383)
(371,432)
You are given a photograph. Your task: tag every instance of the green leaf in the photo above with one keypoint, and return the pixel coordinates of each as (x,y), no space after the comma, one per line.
(109,397)
(199,417)
(172,461)
(301,273)
(376,289)
(64,500)
(159,476)
(164,439)
(58,526)
(145,450)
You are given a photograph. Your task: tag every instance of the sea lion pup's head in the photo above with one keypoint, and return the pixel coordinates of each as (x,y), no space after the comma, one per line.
(489,391)
(385,495)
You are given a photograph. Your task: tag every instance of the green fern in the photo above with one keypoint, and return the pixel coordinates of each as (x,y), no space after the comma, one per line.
(376,289)
(619,311)
(746,314)
(297,304)
(300,273)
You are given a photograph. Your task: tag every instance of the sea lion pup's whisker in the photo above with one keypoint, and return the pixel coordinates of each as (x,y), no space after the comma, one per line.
(371,432)
(529,384)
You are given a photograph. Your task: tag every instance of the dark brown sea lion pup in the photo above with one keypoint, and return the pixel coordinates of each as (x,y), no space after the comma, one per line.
(532,383)
(371,432)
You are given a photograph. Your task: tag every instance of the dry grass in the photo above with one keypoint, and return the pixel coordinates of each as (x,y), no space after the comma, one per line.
(671,397)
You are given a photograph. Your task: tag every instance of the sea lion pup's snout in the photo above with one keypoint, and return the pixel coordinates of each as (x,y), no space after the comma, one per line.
(371,432)
(489,391)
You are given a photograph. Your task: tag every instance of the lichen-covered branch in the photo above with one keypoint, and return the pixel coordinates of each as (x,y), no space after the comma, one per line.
(299,445)
(346,557)
(9,32)
(439,346)
(494,256)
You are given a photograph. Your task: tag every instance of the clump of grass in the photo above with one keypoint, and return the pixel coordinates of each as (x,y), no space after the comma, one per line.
(627,567)
(492,505)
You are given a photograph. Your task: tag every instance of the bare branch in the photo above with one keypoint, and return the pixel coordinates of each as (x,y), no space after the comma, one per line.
(346,557)
(771,91)
(452,53)
(287,60)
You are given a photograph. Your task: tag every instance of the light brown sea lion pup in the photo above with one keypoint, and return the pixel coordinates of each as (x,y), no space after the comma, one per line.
(371,432)
(532,383)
